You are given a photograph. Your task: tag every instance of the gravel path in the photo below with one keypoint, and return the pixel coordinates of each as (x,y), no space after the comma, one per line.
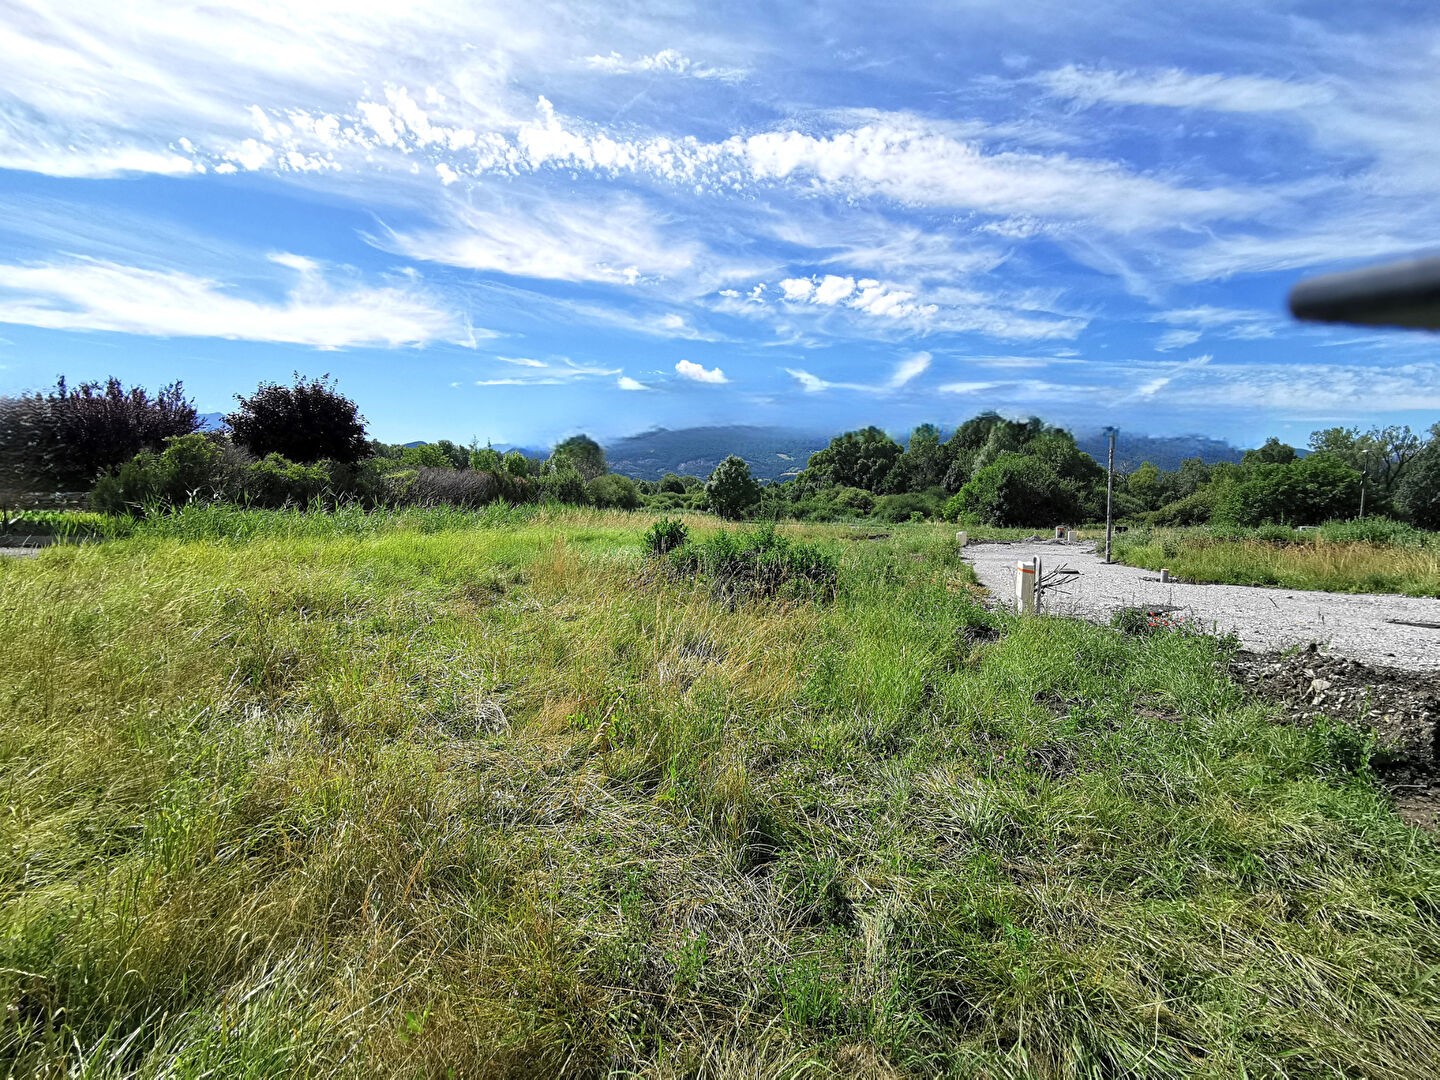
(1352,625)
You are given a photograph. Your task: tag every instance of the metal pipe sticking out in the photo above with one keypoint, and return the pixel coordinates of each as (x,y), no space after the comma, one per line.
(1165,578)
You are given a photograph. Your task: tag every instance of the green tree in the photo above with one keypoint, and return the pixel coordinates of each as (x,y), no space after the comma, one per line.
(1309,491)
(305,422)
(581,453)
(64,438)
(1274,452)
(672,483)
(731,491)
(425,456)
(1418,495)
(860,459)
(1016,490)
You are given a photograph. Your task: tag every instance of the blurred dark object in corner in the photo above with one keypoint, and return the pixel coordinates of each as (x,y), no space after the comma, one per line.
(1396,294)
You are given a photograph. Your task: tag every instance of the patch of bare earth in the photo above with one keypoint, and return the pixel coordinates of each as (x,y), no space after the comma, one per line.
(1401,706)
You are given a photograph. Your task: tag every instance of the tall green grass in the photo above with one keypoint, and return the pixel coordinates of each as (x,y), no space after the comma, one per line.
(1356,557)
(312,798)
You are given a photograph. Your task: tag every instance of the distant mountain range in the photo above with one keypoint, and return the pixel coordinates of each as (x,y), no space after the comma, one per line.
(771,452)
(774,453)
(1164,452)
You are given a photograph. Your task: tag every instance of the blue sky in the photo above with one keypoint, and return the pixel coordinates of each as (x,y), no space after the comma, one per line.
(518,221)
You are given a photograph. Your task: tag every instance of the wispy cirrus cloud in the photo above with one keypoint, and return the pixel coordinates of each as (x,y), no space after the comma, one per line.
(1178,89)
(98,295)
(905,372)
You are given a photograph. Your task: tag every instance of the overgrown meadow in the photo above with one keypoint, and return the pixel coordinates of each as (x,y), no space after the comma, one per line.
(495,793)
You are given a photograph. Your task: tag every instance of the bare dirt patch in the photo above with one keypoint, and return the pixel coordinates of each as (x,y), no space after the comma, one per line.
(1401,706)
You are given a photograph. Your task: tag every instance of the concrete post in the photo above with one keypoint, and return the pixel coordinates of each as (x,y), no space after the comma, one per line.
(1069,536)
(961,539)
(1026,571)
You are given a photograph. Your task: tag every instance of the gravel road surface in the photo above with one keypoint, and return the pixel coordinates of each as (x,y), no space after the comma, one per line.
(1353,625)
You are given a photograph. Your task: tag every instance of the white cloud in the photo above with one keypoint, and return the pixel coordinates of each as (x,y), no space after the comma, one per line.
(611,241)
(94,294)
(664,62)
(831,289)
(967,387)
(625,382)
(908,369)
(556,373)
(688,369)
(811,384)
(1176,339)
(1173,88)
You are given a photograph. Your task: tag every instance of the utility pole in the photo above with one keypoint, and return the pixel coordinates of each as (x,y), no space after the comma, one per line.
(1110,492)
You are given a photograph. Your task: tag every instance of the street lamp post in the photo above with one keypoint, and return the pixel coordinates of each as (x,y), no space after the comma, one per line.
(1110,491)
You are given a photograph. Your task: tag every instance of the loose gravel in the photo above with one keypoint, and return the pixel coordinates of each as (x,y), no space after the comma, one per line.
(1265,619)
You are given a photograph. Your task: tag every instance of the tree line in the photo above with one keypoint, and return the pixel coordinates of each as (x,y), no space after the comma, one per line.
(306,443)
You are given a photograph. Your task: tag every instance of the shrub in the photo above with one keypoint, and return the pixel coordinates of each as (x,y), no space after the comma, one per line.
(664,536)
(912,506)
(275,481)
(759,563)
(564,485)
(613,490)
(461,487)
(1193,509)
(190,467)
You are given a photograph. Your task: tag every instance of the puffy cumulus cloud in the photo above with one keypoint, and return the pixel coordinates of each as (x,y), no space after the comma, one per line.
(625,382)
(688,369)
(1174,88)
(94,294)
(664,62)
(887,310)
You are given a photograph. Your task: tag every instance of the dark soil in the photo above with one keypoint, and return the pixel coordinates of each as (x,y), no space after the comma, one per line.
(1402,708)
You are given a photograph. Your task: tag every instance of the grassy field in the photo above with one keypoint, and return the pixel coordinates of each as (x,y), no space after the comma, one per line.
(1329,561)
(484,794)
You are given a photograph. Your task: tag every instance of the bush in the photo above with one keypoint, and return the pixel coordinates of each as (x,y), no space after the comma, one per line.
(190,467)
(664,536)
(275,481)
(462,487)
(613,490)
(760,563)
(912,506)
(1304,492)
(564,485)
(1015,490)
(1193,509)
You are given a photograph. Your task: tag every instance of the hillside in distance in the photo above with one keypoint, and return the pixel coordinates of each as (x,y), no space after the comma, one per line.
(774,453)
(771,452)
(1163,451)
